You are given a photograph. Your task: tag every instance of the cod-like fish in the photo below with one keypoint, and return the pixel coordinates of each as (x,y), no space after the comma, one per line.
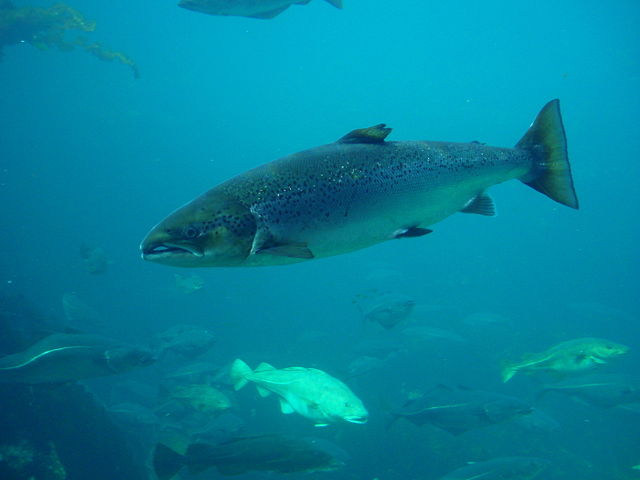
(570,357)
(354,193)
(458,410)
(240,455)
(310,392)
(64,357)
(263,9)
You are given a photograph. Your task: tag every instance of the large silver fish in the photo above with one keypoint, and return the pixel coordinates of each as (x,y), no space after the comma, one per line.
(354,193)
(264,9)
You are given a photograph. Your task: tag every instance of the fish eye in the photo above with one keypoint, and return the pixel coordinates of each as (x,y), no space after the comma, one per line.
(190,232)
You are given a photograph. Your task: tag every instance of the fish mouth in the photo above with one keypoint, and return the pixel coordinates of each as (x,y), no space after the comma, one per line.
(156,251)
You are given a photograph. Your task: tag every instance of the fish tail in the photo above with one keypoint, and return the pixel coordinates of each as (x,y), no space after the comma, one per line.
(239,372)
(166,462)
(508,371)
(546,142)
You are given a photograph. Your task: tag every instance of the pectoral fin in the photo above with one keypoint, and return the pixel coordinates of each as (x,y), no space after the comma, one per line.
(411,232)
(285,407)
(264,243)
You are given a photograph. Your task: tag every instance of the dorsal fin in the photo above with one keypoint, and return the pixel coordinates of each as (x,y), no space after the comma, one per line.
(375,134)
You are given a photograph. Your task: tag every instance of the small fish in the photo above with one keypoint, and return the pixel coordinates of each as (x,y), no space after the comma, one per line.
(310,392)
(66,357)
(95,259)
(572,356)
(188,341)
(601,390)
(188,284)
(354,193)
(201,397)
(385,309)
(271,453)
(503,468)
(457,410)
(263,9)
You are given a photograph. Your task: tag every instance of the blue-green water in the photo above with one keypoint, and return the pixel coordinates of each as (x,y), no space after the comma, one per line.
(90,155)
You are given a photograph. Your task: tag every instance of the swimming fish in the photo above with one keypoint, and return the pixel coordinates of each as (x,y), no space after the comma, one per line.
(310,392)
(354,193)
(386,309)
(572,356)
(271,452)
(503,468)
(264,9)
(457,410)
(601,390)
(65,357)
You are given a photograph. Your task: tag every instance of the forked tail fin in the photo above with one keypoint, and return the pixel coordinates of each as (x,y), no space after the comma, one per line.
(508,371)
(546,142)
(239,372)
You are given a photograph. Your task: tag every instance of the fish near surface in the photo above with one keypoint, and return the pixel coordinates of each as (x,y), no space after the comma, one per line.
(354,193)
(572,356)
(310,392)
(264,9)
(67,357)
(503,468)
(457,410)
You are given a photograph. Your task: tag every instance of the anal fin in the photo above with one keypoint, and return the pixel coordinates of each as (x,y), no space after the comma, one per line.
(481,204)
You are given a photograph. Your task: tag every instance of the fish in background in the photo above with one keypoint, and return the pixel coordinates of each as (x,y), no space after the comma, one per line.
(269,453)
(538,421)
(201,397)
(354,193)
(95,259)
(310,392)
(570,357)
(427,333)
(604,390)
(263,9)
(187,341)
(458,410)
(503,468)
(384,308)
(188,284)
(63,357)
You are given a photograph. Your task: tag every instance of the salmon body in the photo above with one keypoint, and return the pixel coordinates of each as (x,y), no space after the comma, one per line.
(354,193)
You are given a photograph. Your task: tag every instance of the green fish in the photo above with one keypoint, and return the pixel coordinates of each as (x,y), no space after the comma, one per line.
(354,193)
(572,356)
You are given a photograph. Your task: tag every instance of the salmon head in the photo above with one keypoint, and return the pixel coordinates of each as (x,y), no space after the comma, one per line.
(212,230)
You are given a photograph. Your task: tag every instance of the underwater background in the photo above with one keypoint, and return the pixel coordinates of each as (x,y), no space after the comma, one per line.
(91,156)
